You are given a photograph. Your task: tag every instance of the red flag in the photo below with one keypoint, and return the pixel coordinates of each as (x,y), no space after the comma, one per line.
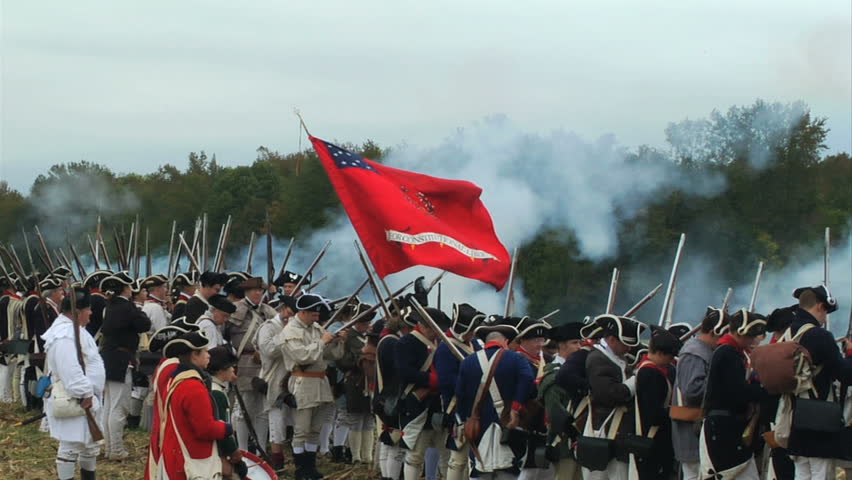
(405,218)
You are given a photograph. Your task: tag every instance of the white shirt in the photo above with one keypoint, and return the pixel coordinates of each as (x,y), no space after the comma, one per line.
(210,330)
(158,315)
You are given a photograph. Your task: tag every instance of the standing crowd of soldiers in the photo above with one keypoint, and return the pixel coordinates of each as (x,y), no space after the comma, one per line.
(224,365)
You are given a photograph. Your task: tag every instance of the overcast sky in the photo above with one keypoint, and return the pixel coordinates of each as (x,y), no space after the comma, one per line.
(133,85)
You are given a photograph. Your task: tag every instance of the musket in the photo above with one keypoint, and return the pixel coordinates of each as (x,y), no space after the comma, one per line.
(825,268)
(136,248)
(148,266)
(756,287)
(17,261)
(358,318)
(310,269)
(27,247)
(218,247)
(373,285)
(287,256)
(548,316)
(204,252)
(169,270)
(68,264)
(249,423)
(186,249)
(195,235)
(250,253)
(435,281)
(317,283)
(727,300)
(395,294)
(62,263)
(439,296)
(94,429)
(129,252)
(647,298)
(93,251)
(15,267)
(100,241)
(119,242)
(672,279)
(6,274)
(43,247)
(176,268)
(425,315)
(511,283)
(220,265)
(348,299)
(270,266)
(613,286)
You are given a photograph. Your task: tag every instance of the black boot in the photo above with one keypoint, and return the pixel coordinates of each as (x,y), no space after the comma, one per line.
(337,454)
(311,466)
(299,462)
(87,474)
(133,421)
(347,455)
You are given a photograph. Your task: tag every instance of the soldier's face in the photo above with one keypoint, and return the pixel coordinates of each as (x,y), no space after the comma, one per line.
(361,327)
(308,318)
(200,358)
(288,288)
(254,295)
(220,317)
(83,316)
(533,345)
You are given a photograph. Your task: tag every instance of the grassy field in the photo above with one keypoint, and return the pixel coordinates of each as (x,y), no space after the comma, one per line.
(27,454)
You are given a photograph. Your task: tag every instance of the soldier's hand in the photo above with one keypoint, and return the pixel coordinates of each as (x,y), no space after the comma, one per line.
(86,403)
(343,334)
(327,337)
(236,457)
(514,420)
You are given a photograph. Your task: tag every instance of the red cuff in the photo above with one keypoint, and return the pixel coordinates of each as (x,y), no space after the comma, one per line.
(849,352)
(517,406)
(433,380)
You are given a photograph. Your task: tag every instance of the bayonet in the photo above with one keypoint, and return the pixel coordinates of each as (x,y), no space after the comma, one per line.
(613,286)
(511,284)
(667,301)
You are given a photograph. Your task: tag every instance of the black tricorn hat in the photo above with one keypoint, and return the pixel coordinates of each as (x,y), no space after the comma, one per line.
(185,343)
(280,301)
(221,358)
(50,283)
(116,282)
(529,327)
(291,277)
(154,281)
(748,324)
(221,302)
(566,332)
(679,330)
(93,280)
(822,294)
(496,323)
(185,279)
(361,308)
(83,297)
(626,329)
(466,318)
(168,333)
(781,318)
(182,322)
(665,340)
(312,303)
(591,329)
(208,279)
(61,272)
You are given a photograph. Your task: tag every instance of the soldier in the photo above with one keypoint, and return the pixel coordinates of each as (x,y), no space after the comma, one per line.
(241,330)
(222,375)
(138,295)
(212,321)
(7,334)
(232,287)
(465,320)
(727,402)
(64,346)
(306,348)
(611,390)
(689,386)
(483,402)
(387,390)
(39,313)
(123,323)
(559,404)
(356,416)
(278,400)
(183,286)
(155,304)
(160,382)
(812,451)
(99,300)
(287,282)
(211,283)
(420,396)
(532,336)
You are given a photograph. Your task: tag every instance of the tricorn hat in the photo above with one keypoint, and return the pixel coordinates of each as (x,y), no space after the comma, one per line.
(116,282)
(50,283)
(291,277)
(466,318)
(626,329)
(93,280)
(208,279)
(61,272)
(679,330)
(154,281)
(185,279)
(252,283)
(182,322)
(82,296)
(591,329)
(529,327)
(280,301)
(748,324)
(781,318)
(361,308)
(496,323)
(312,303)
(822,293)
(221,302)
(185,343)
(168,333)
(566,332)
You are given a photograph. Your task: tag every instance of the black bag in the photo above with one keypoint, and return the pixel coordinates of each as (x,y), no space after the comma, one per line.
(638,445)
(594,453)
(356,401)
(259,385)
(817,416)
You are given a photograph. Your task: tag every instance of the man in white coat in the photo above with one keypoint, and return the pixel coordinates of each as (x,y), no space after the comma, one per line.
(87,385)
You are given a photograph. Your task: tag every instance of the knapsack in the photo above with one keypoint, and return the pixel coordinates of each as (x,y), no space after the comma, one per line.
(785,366)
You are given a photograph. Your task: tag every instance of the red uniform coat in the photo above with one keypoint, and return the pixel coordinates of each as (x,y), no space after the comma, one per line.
(192,412)
(163,377)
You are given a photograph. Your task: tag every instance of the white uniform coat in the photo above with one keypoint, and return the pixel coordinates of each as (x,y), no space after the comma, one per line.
(62,364)
(272,369)
(158,315)
(301,346)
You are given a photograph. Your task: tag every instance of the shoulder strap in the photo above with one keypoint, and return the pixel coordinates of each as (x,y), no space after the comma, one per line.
(798,337)
(485,383)
(431,347)
(379,376)
(179,378)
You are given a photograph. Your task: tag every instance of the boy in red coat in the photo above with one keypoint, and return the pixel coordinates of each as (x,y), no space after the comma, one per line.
(190,429)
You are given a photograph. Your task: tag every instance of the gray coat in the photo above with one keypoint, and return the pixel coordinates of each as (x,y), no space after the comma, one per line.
(692,365)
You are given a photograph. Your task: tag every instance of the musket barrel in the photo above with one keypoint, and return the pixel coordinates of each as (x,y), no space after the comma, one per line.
(613,286)
(757,276)
(641,303)
(511,283)
(425,315)
(348,299)
(672,280)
